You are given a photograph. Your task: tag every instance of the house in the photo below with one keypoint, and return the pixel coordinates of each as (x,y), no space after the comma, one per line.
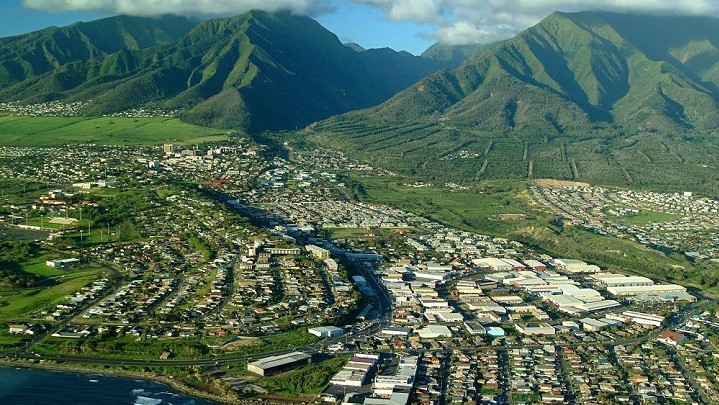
(671,338)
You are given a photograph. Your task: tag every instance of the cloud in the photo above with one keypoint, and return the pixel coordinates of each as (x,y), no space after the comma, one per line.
(480,21)
(453,21)
(181,7)
(410,10)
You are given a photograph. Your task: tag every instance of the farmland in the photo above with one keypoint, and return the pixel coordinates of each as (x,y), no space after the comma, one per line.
(57,131)
(440,152)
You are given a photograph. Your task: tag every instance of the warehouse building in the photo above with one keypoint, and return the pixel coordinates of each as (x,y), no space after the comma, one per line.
(275,364)
(326,331)
(647,289)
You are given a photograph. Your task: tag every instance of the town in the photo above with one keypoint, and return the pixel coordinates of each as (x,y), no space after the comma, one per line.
(260,271)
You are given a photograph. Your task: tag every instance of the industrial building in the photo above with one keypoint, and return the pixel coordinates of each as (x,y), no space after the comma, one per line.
(642,318)
(620,280)
(434,332)
(355,372)
(535,329)
(275,364)
(326,331)
(403,379)
(647,289)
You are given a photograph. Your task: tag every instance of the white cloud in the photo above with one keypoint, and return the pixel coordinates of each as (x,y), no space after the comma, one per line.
(477,21)
(182,7)
(410,10)
(455,21)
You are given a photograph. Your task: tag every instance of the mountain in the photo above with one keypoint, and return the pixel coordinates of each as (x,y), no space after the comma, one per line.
(257,71)
(647,72)
(24,57)
(591,95)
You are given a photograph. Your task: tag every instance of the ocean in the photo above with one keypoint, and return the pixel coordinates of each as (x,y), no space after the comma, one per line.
(41,387)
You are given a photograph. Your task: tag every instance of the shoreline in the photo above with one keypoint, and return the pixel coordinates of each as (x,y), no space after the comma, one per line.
(170,382)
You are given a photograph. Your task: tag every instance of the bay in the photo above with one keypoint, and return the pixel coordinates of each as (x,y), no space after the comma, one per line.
(42,387)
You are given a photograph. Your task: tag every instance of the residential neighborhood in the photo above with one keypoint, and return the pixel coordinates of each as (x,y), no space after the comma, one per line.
(227,245)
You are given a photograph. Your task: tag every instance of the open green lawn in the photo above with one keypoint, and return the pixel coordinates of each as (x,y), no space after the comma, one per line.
(648,217)
(22,305)
(477,209)
(37,266)
(56,131)
(44,223)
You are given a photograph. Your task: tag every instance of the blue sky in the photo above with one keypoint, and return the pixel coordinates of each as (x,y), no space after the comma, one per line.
(411,25)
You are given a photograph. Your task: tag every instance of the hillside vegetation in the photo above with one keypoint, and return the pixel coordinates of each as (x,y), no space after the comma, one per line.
(599,97)
(256,71)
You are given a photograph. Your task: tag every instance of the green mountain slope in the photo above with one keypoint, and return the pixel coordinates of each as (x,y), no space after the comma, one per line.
(257,71)
(589,96)
(26,56)
(588,62)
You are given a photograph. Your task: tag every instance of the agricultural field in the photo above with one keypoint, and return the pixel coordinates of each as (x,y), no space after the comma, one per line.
(440,152)
(57,131)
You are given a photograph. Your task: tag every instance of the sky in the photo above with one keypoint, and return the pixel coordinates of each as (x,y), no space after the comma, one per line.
(411,25)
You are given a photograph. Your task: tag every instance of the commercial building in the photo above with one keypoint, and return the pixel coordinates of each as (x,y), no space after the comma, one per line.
(434,332)
(535,329)
(318,252)
(283,251)
(646,290)
(396,331)
(642,318)
(326,331)
(275,364)
(62,262)
(618,280)
(403,378)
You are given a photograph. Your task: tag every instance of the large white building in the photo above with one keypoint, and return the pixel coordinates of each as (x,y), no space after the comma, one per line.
(326,331)
(385,385)
(645,290)
(275,364)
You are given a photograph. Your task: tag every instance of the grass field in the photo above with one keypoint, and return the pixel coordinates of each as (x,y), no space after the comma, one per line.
(648,217)
(37,266)
(21,305)
(56,131)
(476,209)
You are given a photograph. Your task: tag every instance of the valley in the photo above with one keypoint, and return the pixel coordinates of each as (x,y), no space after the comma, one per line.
(252,211)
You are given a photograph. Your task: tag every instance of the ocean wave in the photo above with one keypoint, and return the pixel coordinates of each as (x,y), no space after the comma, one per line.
(140,400)
(138,391)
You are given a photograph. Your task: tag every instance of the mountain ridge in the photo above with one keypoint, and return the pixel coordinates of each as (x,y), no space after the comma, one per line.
(583,96)
(256,71)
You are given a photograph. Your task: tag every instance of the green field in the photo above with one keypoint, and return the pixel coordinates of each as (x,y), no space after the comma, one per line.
(477,209)
(22,305)
(57,131)
(648,217)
